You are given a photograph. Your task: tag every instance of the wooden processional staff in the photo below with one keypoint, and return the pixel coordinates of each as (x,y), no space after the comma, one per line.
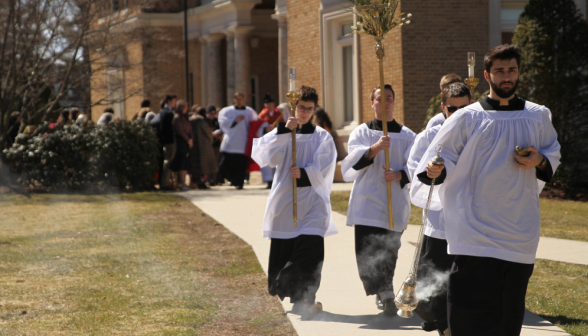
(376,18)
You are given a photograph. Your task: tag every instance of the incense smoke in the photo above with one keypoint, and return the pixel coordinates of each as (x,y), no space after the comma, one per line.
(432,283)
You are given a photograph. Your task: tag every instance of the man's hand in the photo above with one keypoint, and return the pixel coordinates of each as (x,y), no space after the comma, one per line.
(239,118)
(392,175)
(292,123)
(190,143)
(433,170)
(295,172)
(382,144)
(531,161)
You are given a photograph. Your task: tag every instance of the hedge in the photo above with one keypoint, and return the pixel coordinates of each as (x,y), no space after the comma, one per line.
(122,154)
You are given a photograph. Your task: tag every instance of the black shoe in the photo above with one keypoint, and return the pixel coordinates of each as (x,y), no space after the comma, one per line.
(269,185)
(379,303)
(239,187)
(429,326)
(390,307)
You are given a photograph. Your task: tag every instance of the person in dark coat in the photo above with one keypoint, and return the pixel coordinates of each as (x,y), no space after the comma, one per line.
(162,124)
(183,141)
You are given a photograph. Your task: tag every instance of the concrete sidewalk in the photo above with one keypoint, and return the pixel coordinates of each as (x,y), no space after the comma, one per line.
(347,311)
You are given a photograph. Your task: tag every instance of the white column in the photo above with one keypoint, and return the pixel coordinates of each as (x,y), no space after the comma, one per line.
(494,23)
(283,57)
(242,65)
(230,65)
(203,72)
(215,71)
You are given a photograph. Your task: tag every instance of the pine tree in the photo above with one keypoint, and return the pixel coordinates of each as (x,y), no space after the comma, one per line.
(553,38)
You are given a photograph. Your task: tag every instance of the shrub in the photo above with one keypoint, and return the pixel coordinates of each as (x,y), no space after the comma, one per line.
(122,154)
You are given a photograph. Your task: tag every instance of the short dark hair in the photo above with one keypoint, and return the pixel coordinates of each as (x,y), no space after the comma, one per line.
(502,52)
(210,108)
(455,90)
(307,94)
(386,87)
(145,103)
(109,110)
(322,118)
(167,98)
(238,94)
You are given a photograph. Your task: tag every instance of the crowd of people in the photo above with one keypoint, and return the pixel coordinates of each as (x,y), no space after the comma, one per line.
(482,231)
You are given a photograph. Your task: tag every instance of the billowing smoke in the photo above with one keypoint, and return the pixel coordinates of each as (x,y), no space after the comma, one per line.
(432,283)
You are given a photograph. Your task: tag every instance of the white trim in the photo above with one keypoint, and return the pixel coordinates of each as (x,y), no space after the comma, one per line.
(332,44)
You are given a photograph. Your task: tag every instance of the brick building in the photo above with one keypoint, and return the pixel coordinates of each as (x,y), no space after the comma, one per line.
(248,45)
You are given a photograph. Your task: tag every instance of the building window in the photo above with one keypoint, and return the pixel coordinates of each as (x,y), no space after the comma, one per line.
(114,5)
(191,88)
(340,85)
(347,56)
(255,102)
(510,11)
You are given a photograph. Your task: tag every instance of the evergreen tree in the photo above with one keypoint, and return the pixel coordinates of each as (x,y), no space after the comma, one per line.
(553,38)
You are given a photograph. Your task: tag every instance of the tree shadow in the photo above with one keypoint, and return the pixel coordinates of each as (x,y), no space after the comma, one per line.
(564,320)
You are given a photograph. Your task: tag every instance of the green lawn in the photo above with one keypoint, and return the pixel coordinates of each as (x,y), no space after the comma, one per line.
(557,291)
(131,264)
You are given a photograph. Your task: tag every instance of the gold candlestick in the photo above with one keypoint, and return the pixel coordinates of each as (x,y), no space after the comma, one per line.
(293,97)
(376,18)
(472,82)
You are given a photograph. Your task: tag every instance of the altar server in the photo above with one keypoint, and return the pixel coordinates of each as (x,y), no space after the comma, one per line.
(376,245)
(446,80)
(297,252)
(490,199)
(435,263)
(234,123)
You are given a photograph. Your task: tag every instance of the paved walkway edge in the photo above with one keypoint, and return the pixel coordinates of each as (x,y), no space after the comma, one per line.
(347,310)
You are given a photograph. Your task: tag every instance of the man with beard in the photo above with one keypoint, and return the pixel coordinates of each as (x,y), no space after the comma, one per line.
(490,199)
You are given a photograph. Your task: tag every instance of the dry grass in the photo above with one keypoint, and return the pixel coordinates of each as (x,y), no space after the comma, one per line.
(139,264)
(564,219)
(558,292)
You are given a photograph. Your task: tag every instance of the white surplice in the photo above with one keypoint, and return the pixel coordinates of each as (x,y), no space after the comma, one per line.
(437,119)
(235,138)
(315,153)
(491,206)
(368,204)
(435,225)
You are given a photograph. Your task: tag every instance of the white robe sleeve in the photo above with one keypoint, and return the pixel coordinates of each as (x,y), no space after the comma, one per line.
(453,137)
(225,120)
(549,145)
(357,146)
(321,171)
(421,143)
(270,149)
